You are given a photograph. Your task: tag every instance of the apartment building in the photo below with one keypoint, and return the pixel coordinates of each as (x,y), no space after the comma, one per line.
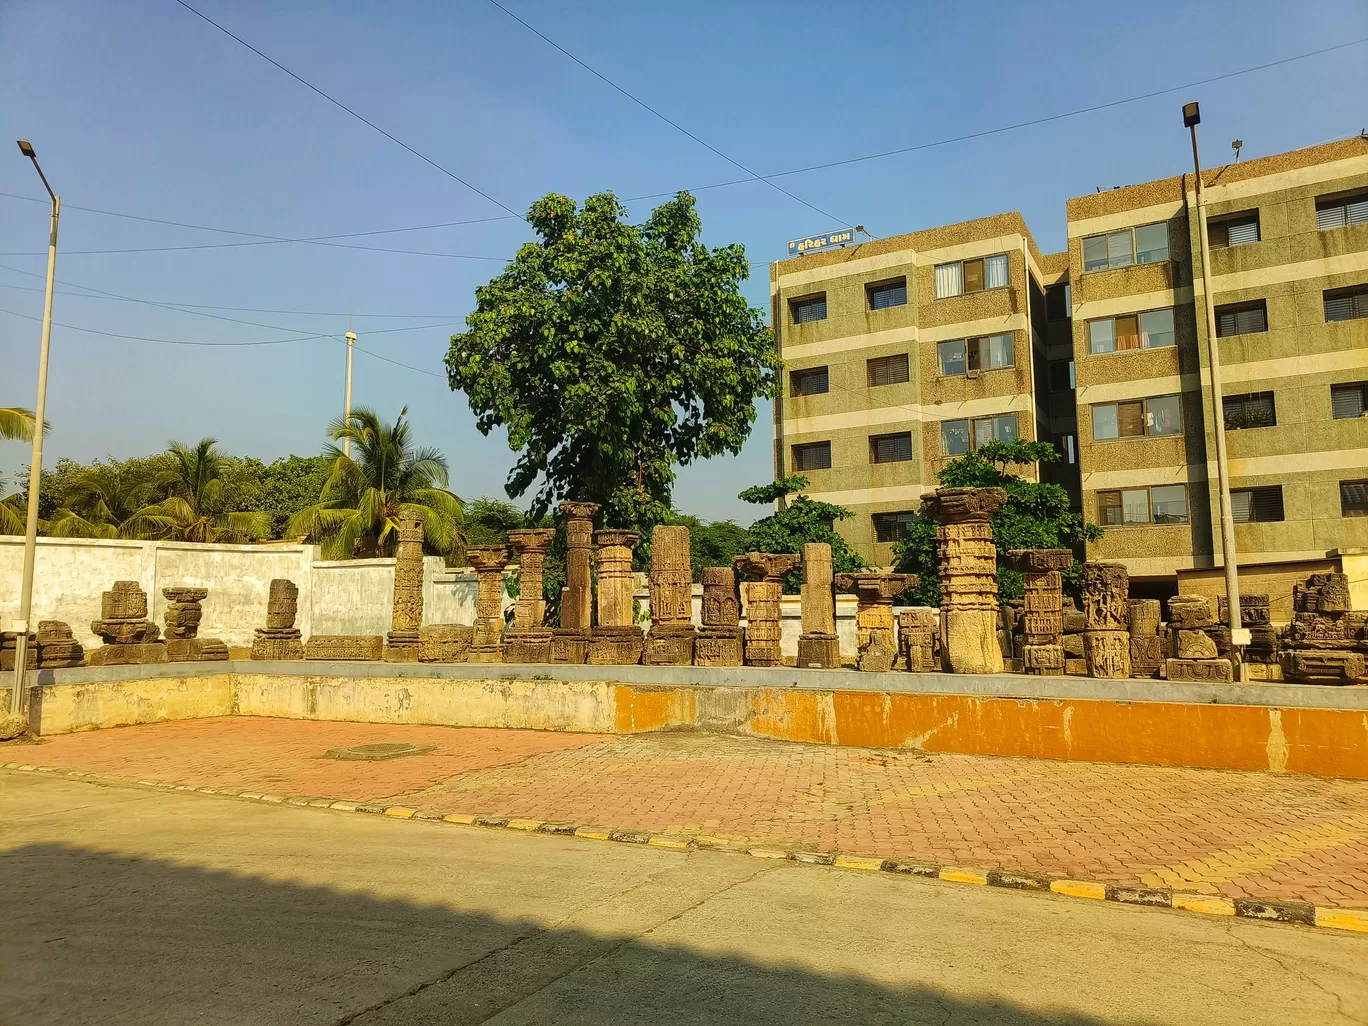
(902,353)
(1288,243)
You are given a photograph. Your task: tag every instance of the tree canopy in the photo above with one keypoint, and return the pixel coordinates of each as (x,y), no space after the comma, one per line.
(610,352)
(802,520)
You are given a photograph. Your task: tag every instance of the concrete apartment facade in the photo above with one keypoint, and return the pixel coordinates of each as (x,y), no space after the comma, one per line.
(1109,362)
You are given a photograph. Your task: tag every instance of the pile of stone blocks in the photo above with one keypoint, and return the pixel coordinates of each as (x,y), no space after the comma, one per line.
(527,639)
(1075,623)
(1193,651)
(1324,635)
(919,639)
(406,611)
(616,640)
(184,611)
(719,640)
(1255,614)
(279,639)
(52,647)
(1146,644)
(129,636)
(486,639)
(1038,639)
(346,647)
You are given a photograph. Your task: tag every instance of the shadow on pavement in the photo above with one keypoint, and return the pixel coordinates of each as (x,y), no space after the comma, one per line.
(88,936)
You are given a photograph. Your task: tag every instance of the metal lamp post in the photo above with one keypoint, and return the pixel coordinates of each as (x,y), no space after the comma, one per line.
(36,460)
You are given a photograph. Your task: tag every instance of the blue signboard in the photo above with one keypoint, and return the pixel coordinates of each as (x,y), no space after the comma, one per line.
(840,237)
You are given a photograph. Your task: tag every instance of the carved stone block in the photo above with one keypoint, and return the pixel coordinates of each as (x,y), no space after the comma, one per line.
(1322,666)
(1147,655)
(1143,618)
(125,601)
(616,646)
(1195,645)
(282,603)
(346,647)
(277,643)
(1254,610)
(569,647)
(718,646)
(1208,671)
(721,607)
(876,652)
(1075,622)
(195,650)
(1189,612)
(1106,588)
(532,645)
(819,651)
(1073,645)
(669,644)
(1039,561)
(128,655)
(1076,667)
(1043,660)
(1107,653)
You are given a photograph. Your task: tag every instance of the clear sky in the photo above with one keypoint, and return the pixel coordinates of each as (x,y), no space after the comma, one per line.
(140,107)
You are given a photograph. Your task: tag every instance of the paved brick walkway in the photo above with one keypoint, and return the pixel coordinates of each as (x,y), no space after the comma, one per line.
(1237,834)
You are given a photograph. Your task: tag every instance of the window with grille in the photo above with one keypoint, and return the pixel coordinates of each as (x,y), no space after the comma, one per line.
(961,355)
(960,436)
(807,310)
(1256,505)
(1235,230)
(810,381)
(892,527)
(1161,504)
(1147,244)
(812,456)
(962,277)
(1241,319)
(1342,210)
(1346,304)
(1161,415)
(1252,410)
(1150,329)
(889,293)
(1058,303)
(887,370)
(1349,401)
(890,448)
(1354,498)
(1061,375)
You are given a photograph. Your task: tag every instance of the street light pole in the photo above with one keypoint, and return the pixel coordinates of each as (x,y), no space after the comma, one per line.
(22,625)
(351,341)
(1192,117)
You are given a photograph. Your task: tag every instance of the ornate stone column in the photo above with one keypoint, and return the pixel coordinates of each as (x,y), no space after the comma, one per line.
(671,640)
(818,645)
(764,573)
(719,639)
(1106,605)
(129,636)
(917,639)
(402,642)
(279,639)
(1146,647)
(527,641)
(570,641)
(489,562)
(183,614)
(616,640)
(968,565)
(1043,616)
(876,591)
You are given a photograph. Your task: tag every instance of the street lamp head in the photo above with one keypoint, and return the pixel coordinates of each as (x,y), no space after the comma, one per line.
(1192,114)
(26,148)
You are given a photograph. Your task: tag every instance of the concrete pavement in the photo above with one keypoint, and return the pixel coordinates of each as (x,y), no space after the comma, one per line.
(142,906)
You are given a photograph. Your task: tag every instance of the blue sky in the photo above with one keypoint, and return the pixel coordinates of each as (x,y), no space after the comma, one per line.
(142,108)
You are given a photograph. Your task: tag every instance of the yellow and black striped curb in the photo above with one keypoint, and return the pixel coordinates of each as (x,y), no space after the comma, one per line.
(1268,909)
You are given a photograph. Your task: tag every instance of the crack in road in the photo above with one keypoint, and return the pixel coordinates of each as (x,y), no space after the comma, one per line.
(1292,970)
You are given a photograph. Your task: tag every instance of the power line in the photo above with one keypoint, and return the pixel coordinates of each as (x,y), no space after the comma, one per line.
(336,102)
(170,341)
(669,121)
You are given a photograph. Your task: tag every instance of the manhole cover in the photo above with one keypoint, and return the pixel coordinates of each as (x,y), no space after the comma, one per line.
(384,750)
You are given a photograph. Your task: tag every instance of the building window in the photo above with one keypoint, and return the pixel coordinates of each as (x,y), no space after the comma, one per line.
(1234,230)
(892,527)
(1147,244)
(1067,448)
(1354,498)
(965,276)
(1162,504)
(1346,304)
(811,381)
(890,448)
(1256,505)
(1252,410)
(1338,211)
(1161,415)
(888,293)
(959,436)
(806,310)
(961,355)
(1152,329)
(1349,401)
(1061,375)
(1058,303)
(813,456)
(1241,319)
(887,370)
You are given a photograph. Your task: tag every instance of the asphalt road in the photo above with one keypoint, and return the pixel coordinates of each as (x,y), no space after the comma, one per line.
(131,906)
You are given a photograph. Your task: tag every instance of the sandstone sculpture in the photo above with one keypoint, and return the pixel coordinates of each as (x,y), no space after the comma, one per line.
(345,647)
(401,644)
(671,639)
(183,615)
(719,640)
(1106,607)
(279,639)
(818,646)
(1323,635)
(616,639)
(51,647)
(1042,619)
(570,641)
(1193,654)
(445,642)
(128,635)
(1146,646)
(876,591)
(763,590)
(968,565)
(1256,616)
(527,640)
(489,562)
(918,639)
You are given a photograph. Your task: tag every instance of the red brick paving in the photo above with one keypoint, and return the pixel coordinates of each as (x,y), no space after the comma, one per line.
(1238,834)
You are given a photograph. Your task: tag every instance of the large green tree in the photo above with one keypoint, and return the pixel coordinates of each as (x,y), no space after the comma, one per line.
(610,352)
(1037,516)
(802,520)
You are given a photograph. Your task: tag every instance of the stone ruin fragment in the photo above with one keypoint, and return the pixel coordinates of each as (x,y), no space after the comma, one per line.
(279,639)
(129,636)
(183,614)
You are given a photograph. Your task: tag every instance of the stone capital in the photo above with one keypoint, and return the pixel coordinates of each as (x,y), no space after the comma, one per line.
(766,566)
(876,587)
(580,510)
(1039,561)
(487,558)
(531,539)
(615,537)
(962,505)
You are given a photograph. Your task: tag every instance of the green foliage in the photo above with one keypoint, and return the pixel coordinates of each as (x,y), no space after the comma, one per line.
(803,521)
(612,351)
(775,490)
(711,544)
(192,507)
(1037,516)
(280,489)
(488,521)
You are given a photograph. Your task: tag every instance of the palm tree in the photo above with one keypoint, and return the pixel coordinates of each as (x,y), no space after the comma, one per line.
(13,514)
(358,511)
(16,424)
(107,501)
(194,486)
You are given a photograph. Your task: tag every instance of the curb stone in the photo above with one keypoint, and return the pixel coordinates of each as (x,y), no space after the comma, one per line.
(1277,910)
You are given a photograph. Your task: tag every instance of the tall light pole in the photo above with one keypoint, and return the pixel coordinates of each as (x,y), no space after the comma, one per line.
(36,460)
(1192,117)
(350,336)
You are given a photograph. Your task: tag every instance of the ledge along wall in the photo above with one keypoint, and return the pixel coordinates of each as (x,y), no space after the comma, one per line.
(1280,728)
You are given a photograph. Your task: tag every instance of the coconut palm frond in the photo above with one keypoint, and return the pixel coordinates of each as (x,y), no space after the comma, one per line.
(67,523)
(249,526)
(16,424)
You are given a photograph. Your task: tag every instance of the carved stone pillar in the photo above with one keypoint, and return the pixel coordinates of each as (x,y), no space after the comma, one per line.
(402,642)
(1146,647)
(279,639)
(616,640)
(764,573)
(183,614)
(719,639)
(489,562)
(874,616)
(527,641)
(1106,606)
(968,565)
(917,639)
(570,641)
(671,641)
(818,645)
(1043,615)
